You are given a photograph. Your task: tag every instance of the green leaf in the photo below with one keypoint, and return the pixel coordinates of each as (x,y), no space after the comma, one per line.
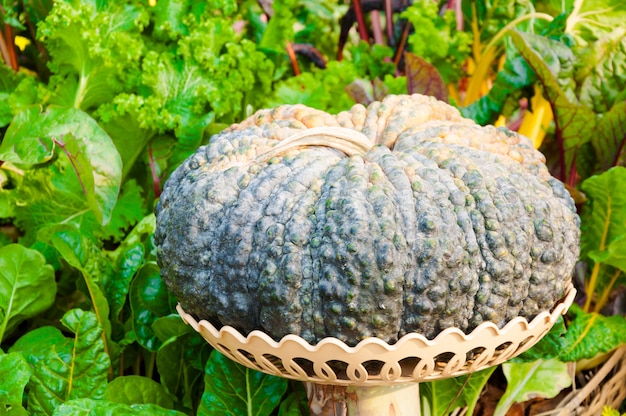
(116,289)
(27,286)
(121,128)
(77,369)
(575,124)
(137,390)
(608,142)
(601,71)
(603,219)
(33,135)
(548,347)
(514,76)
(280,28)
(181,359)
(436,39)
(95,49)
(16,373)
(91,407)
(538,379)
(234,390)
(443,396)
(296,403)
(81,253)
(590,334)
(149,300)
(129,209)
(591,20)
(34,345)
(423,78)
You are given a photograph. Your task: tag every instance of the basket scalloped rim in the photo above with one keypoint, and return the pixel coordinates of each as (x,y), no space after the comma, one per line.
(486,334)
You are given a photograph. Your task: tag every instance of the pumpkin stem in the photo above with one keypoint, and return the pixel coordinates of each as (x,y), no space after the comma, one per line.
(348,141)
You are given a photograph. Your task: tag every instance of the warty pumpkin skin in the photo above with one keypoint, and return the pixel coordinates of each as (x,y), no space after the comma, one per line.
(380,221)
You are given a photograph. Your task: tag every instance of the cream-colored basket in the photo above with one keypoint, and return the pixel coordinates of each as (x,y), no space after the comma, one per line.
(375,362)
(603,386)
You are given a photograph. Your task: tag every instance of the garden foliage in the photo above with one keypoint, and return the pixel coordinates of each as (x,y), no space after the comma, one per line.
(101,100)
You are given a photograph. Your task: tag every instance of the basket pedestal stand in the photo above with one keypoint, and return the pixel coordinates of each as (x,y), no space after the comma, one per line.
(374,378)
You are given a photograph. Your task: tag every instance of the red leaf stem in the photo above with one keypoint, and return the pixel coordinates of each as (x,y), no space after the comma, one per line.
(360,19)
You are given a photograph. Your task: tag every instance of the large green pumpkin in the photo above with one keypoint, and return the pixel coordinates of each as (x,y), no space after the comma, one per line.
(377,222)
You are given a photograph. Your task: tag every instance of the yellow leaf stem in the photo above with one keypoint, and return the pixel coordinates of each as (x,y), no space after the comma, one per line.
(535,124)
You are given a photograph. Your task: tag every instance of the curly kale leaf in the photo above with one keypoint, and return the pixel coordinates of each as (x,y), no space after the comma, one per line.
(436,39)
(95,50)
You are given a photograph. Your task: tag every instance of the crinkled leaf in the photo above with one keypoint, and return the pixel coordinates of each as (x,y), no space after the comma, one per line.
(590,334)
(601,72)
(75,370)
(548,347)
(603,218)
(137,390)
(538,379)
(95,50)
(170,326)
(34,345)
(574,123)
(423,78)
(81,253)
(116,289)
(149,300)
(33,135)
(128,210)
(178,360)
(591,20)
(610,137)
(27,286)
(50,195)
(169,18)
(91,407)
(296,404)
(9,81)
(234,390)
(436,39)
(311,88)
(15,375)
(445,395)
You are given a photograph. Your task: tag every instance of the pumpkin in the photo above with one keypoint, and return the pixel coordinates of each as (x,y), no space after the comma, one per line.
(384,220)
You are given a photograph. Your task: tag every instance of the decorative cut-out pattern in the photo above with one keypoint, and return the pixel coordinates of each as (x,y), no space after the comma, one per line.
(374,362)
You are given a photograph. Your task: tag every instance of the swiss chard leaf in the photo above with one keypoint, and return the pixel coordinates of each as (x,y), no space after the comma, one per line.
(181,359)
(590,334)
(16,373)
(128,263)
(603,218)
(550,346)
(514,76)
(445,395)
(77,369)
(137,390)
(27,286)
(91,407)
(33,135)
(423,78)
(234,390)
(574,123)
(600,75)
(608,142)
(81,253)
(149,300)
(34,345)
(542,378)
